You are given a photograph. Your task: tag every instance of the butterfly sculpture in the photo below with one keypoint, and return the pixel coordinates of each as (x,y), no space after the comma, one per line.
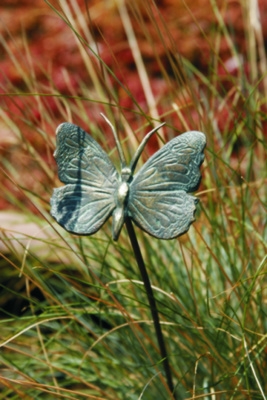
(156,198)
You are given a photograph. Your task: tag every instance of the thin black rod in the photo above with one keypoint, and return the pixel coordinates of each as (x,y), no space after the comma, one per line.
(152,302)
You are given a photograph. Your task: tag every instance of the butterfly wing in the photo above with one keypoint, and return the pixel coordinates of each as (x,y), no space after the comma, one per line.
(158,200)
(87,200)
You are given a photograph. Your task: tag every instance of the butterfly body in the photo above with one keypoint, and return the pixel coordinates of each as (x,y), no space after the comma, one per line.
(119,213)
(155,198)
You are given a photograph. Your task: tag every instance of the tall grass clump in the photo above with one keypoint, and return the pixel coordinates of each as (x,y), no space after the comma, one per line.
(75,320)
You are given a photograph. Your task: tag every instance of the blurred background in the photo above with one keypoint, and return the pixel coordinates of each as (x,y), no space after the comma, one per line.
(74,317)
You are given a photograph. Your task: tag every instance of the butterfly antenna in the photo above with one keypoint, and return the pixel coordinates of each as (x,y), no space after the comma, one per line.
(121,155)
(142,145)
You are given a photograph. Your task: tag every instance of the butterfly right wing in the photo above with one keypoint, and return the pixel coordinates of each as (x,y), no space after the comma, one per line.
(158,201)
(87,200)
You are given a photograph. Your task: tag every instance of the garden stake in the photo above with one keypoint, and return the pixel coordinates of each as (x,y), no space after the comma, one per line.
(156,198)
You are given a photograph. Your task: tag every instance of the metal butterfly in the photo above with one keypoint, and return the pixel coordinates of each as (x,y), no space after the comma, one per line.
(155,198)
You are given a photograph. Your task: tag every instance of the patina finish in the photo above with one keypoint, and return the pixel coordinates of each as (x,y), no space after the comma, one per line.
(156,198)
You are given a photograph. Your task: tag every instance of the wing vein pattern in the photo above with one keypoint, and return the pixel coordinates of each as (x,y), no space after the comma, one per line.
(159,202)
(87,199)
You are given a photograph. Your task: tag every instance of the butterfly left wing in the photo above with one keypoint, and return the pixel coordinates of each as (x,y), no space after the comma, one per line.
(87,200)
(158,201)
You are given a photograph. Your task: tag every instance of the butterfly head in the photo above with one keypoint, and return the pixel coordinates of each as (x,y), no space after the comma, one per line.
(126,174)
